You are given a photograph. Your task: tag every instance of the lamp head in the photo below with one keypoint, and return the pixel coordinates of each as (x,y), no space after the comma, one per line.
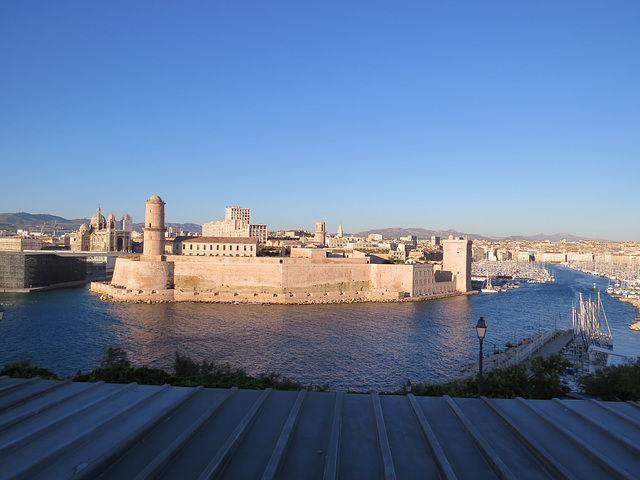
(481,328)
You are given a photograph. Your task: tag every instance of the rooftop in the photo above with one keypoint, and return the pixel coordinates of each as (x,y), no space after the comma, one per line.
(62,429)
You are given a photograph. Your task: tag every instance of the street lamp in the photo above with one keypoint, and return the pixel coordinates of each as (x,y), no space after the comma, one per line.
(481,329)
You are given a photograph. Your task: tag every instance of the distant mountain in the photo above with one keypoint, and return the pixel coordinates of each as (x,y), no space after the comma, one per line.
(541,237)
(424,234)
(24,219)
(10,221)
(421,233)
(186,227)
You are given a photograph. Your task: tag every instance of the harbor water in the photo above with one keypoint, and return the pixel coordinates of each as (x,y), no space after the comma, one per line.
(368,346)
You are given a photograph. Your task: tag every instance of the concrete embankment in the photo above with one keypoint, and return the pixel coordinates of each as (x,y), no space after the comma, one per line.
(53,286)
(544,344)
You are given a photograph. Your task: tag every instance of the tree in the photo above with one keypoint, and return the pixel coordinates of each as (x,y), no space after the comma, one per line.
(615,382)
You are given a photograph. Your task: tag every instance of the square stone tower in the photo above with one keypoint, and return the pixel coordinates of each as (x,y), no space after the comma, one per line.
(456,258)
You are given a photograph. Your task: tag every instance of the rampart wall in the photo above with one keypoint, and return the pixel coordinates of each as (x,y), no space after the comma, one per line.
(270,280)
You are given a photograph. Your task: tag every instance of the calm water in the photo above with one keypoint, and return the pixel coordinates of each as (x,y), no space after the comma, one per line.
(358,346)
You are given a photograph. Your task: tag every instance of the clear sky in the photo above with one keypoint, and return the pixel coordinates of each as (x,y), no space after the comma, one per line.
(489,117)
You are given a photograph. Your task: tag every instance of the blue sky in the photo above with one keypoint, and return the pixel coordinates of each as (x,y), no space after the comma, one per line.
(494,117)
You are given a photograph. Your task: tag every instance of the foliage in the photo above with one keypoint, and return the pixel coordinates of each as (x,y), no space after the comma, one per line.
(126,374)
(116,368)
(188,373)
(615,382)
(544,381)
(457,388)
(113,356)
(510,382)
(24,369)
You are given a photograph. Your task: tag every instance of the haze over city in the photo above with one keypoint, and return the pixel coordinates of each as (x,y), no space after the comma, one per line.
(490,118)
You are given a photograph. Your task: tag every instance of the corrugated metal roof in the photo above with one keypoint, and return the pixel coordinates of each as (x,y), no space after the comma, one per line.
(62,429)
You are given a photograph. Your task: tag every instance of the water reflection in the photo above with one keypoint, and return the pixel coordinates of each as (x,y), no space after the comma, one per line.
(358,346)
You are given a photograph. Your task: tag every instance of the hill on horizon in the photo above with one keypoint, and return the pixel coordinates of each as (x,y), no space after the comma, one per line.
(24,219)
(425,234)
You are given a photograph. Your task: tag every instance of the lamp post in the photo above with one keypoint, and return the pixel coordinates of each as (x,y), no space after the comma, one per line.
(481,329)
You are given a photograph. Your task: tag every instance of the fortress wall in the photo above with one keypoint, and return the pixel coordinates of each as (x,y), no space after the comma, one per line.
(227,274)
(398,278)
(121,272)
(150,276)
(330,276)
(269,275)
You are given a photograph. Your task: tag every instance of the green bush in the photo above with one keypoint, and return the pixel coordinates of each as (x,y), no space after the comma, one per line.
(613,383)
(24,369)
(126,374)
(544,381)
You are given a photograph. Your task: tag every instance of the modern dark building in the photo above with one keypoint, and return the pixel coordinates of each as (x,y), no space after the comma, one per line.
(21,271)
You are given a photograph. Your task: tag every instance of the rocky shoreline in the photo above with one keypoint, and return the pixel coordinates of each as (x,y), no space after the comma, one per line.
(633,301)
(290,301)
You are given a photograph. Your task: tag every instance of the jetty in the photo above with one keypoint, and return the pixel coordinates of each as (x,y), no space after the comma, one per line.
(543,344)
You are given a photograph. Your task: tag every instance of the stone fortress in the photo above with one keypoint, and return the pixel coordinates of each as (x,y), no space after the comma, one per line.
(307,275)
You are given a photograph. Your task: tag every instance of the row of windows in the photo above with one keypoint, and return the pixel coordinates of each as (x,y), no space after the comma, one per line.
(224,247)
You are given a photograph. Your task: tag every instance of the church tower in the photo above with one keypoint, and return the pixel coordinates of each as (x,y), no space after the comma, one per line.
(154,228)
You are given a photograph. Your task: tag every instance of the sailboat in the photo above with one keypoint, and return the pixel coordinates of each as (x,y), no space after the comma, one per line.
(592,335)
(488,288)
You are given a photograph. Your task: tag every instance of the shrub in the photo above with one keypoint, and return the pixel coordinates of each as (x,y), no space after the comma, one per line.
(545,381)
(615,382)
(24,369)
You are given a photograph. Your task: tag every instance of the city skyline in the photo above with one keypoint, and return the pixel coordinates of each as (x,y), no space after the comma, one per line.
(497,121)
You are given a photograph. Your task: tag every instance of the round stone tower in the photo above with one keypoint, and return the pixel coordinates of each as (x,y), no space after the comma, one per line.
(154,228)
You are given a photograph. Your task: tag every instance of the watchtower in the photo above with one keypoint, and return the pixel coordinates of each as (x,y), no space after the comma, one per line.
(456,258)
(154,228)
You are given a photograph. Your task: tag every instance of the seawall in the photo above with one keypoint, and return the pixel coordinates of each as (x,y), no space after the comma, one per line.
(120,294)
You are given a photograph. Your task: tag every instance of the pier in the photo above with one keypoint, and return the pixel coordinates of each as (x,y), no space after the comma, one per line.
(543,344)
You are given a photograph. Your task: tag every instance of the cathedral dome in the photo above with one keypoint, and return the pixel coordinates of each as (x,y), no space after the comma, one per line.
(98,222)
(84,228)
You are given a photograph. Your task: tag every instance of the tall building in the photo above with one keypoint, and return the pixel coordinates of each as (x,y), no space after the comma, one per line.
(127,223)
(237,213)
(236,223)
